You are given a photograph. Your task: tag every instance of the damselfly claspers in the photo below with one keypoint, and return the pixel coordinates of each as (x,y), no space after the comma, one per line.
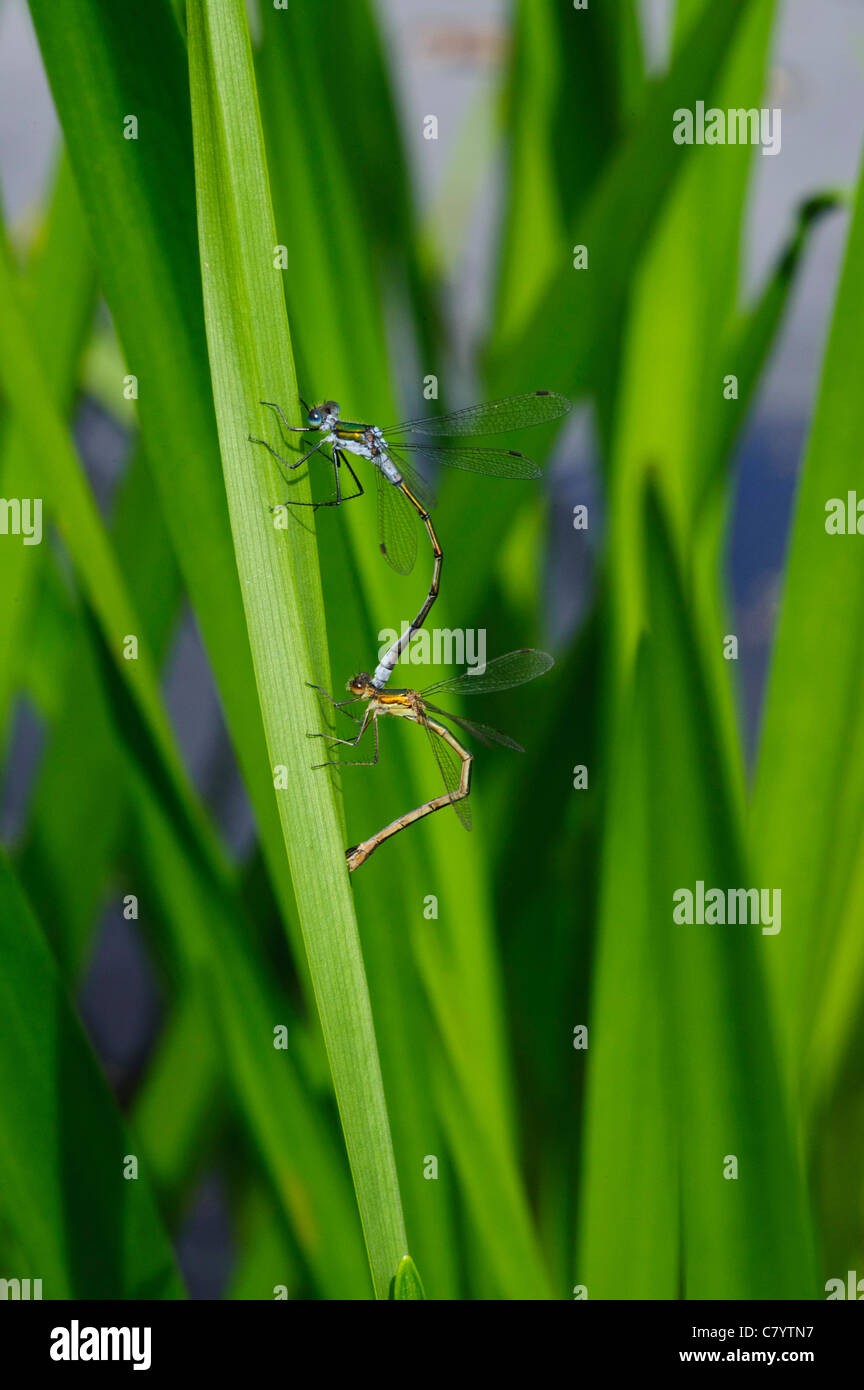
(454,761)
(401,490)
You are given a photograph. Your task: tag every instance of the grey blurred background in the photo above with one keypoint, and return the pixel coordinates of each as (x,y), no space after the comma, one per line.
(447,59)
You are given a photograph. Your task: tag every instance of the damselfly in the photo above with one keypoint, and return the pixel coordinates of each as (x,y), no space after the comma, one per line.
(401,490)
(454,761)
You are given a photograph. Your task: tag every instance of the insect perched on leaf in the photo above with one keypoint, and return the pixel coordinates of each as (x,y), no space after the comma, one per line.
(402,492)
(453,760)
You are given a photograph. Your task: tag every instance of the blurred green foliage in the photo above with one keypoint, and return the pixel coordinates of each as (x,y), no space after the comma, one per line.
(557,1166)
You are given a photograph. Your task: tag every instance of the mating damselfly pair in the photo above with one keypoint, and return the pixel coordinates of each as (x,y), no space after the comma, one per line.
(403,495)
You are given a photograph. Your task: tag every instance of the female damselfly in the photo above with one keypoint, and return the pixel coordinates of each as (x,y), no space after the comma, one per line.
(454,761)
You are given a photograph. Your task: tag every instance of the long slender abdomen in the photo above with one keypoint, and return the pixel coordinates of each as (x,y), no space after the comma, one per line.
(384,669)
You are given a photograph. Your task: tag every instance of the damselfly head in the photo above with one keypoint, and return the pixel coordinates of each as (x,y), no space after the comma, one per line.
(361,686)
(320,416)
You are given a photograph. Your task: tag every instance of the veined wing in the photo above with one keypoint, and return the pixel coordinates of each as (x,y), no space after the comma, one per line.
(497,463)
(493,417)
(450,767)
(502,673)
(397,526)
(413,481)
(483,732)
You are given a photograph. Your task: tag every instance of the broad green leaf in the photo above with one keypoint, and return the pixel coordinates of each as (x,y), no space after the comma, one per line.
(697,1019)
(312,166)
(106,64)
(250,359)
(809,789)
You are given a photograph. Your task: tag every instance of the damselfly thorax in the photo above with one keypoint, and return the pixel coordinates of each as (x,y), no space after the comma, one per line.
(367,441)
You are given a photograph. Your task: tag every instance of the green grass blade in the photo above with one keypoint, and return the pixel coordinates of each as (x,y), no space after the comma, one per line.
(82,765)
(74,512)
(408,1283)
(570,71)
(60,293)
(627,1233)
(322,225)
(205,938)
(670,401)
(703,1044)
(564,336)
(104,64)
(752,335)
(180,1104)
(205,931)
(749,1237)
(492,1188)
(321,222)
(268,1263)
(81,1226)
(250,358)
(809,851)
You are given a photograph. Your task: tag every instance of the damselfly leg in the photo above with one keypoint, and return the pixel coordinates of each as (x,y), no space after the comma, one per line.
(368,719)
(337,704)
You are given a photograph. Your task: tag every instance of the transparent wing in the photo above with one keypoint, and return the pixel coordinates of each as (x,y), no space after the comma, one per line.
(397,526)
(483,732)
(502,673)
(493,417)
(498,463)
(419,486)
(450,767)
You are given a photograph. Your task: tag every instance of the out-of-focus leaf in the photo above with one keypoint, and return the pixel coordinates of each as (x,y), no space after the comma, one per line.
(809,793)
(567,329)
(83,1227)
(204,935)
(106,64)
(59,290)
(573,84)
(699,1028)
